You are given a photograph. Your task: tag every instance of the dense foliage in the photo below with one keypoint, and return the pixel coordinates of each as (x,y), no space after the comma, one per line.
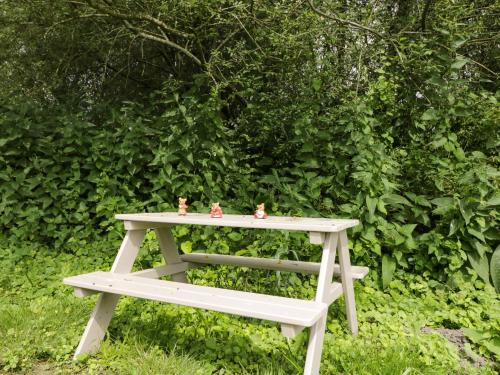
(393,121)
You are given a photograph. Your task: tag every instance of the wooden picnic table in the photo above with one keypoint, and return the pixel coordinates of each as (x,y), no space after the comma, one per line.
(293,314)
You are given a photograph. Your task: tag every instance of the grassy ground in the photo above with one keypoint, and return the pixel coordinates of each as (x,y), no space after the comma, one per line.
(41,322)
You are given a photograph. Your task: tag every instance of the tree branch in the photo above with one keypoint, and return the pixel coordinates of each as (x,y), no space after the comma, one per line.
(343,21)
(425,12)
(161,39)
(140,17)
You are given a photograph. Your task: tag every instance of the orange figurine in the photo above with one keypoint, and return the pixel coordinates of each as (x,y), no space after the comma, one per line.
(260,213)
(182,207)
(216,211)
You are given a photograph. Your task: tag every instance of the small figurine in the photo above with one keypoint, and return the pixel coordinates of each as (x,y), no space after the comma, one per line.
(216,211)
(260,213)
(182,207)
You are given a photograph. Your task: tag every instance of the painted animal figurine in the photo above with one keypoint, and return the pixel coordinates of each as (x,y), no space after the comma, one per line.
(216,211)
(260,213)
(182,207)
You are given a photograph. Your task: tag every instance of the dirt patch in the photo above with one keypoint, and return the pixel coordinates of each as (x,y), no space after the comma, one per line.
(457,338)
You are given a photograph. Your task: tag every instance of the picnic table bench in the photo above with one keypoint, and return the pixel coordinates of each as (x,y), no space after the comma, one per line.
(293,314)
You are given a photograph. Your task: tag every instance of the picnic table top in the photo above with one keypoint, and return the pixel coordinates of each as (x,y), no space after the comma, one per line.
(246,221)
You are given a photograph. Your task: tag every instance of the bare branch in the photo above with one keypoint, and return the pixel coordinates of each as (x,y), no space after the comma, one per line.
(343,21)
(140,17)
(425,12)
(161,39)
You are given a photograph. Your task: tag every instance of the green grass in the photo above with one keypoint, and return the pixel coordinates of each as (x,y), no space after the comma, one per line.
(41,322)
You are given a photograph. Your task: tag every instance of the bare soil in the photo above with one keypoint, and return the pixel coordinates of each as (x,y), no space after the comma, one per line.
(457,338)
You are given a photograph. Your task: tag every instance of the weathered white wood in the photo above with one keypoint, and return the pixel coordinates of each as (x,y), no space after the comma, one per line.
(97,324)
(315,347)
(358,272)
(333,293)
(261,263)
(246,221)
(134,225)
(80,293)
(347,284)
(316,238)
(169,250)
(106,303)
(326,268)
(128,251)
(290,331)
(323,291)
(253,305)
(168,269)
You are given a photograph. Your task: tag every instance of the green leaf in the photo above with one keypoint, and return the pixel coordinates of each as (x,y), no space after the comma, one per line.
(393,199)
(381,206)
(430,115)
(454,226)
(407,229)
(388,268)
(493,345)
(371,203)
(493,201)
(495,268)
(235,236)
(480,265)
(476,234)
(187,247)
(440,142)
(444,205)
(458,64)
(465,211)
(316,84)
(473,334)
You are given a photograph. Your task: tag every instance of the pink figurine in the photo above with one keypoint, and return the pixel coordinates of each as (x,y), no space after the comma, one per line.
(216,211)
(182,207)
(260,213)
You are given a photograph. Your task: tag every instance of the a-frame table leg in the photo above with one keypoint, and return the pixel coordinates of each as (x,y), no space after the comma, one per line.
(169,251)
(347,283)
(317,333)
(106,303)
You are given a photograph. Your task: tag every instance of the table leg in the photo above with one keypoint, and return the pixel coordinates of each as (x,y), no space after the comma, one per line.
(347,283)
(169,250)
(103,310)
(317,333)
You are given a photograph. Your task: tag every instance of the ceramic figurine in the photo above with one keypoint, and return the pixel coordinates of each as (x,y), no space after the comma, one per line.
(182,207)
(260,213)
(216,211)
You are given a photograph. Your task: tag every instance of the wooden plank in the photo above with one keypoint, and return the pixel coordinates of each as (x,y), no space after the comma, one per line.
(316,238)
(128,251)
(168,269)
(290,331)
(333,293)
(134,225)
(278,309)
(346,277)
(262,263)
(169,251)
(80,293)
(106,303)
(323,291)
(358,272)
(315,347)
(97,324)
(245,221)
